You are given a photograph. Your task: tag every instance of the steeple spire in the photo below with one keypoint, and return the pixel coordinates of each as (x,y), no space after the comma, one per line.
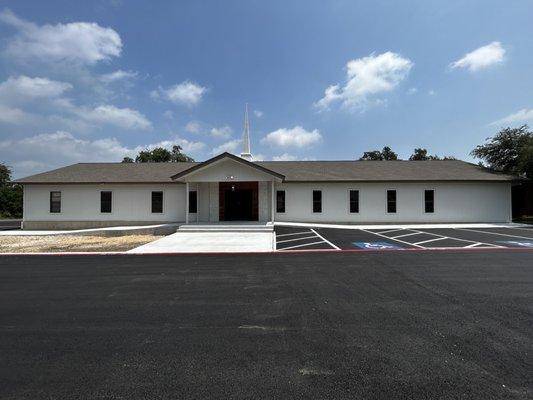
(246,137)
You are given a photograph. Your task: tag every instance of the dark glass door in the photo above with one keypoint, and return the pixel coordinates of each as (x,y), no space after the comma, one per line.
(238,205)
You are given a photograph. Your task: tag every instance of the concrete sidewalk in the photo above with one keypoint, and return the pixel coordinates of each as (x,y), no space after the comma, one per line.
(210,242)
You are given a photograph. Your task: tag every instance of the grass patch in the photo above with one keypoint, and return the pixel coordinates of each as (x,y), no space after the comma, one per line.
(59,243)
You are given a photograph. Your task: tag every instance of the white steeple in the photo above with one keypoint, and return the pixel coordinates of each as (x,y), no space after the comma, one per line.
(246,137)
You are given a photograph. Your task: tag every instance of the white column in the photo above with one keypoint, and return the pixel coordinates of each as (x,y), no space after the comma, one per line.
(272,208)
(186,202)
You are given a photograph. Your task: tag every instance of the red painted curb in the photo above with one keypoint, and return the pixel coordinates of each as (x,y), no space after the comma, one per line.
(278,252)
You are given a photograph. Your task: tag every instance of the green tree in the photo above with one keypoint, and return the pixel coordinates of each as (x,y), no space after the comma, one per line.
(509,151)
(420,154)
(5,174)
(127,160)
(376,155)
(388,154)
(160,154)
(10,195)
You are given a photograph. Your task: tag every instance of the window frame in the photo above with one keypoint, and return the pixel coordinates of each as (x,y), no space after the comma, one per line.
(395,201)
(284,201)
(110,203)
(350,201)
(424,201)
(190,203)
(313,201)
(50,202)
(162,201)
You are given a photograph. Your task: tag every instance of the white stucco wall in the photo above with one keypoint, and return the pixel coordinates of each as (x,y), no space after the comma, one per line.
(454,202)
(130,202)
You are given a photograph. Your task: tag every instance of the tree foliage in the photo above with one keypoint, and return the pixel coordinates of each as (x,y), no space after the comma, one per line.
(421,154)
(160,154)
(376,155)
(509,151)
(10,195)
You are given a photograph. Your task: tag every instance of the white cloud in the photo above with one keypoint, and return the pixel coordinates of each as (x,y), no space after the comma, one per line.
(482,57)
(230,146)
(23,88)
(259,113)
(13,115)
(223,132)
(412,90)
(285,157)
(168,114)
(431,92)
(192,127)
(187,93)
(118,75)
(294,137)
(522,116)
(79,42)
(51,150)
(365,78)
(121,117)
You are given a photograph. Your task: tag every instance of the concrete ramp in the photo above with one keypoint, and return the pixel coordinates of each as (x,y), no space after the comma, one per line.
(212,241)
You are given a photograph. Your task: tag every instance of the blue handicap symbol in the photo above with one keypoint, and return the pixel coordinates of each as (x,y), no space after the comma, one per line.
(518,243)
(377,246)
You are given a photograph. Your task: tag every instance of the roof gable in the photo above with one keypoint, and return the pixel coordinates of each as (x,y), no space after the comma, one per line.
(216,161)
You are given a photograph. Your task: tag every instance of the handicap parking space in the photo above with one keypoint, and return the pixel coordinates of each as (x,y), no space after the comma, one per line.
(293,238)
(356,239)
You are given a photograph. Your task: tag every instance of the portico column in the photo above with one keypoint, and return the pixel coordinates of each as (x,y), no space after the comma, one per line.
(186,202)
(273,200)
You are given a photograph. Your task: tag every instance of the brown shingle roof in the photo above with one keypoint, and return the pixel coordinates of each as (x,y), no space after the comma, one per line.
(294,171)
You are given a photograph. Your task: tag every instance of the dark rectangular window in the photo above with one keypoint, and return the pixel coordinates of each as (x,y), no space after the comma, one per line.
(317,201)
(105,202)
(193,202)
(354,201)
(391,201)
(157,202)
(429,201)
(280,201)
(55,202)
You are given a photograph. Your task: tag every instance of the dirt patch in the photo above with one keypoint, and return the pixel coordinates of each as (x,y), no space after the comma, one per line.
(58,243)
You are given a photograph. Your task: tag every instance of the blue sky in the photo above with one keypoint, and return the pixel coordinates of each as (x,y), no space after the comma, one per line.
(98,80)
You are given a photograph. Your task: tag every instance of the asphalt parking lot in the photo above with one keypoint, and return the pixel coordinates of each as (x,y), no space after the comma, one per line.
(335,325)
(304,238)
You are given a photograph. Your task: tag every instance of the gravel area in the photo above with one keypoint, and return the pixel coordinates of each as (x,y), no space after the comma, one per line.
(59,243)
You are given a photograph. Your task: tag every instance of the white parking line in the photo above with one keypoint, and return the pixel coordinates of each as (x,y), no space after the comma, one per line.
(325,240)
(293,240)
(494,233)
(391,230)
(301,245)
(397,240)
(432,240)
(292,234)
(472,245)
(457,239)
(409,234)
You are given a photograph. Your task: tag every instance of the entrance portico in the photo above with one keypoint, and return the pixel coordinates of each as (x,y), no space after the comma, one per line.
(229,188)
